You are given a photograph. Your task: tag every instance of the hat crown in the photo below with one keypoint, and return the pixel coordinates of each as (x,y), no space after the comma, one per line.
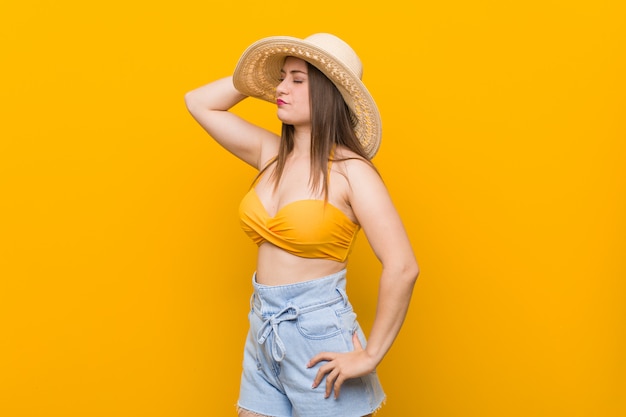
(339,49)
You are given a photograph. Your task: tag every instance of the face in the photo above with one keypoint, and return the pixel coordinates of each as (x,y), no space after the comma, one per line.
(292,94)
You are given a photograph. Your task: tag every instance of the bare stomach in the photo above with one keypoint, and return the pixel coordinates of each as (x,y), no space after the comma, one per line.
(277,267)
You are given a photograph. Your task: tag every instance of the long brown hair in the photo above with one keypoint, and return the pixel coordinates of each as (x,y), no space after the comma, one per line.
(332,123)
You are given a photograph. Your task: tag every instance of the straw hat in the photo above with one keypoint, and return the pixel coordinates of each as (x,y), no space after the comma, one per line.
(258,72)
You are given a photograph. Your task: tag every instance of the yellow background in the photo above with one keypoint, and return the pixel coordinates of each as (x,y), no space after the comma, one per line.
(125,277)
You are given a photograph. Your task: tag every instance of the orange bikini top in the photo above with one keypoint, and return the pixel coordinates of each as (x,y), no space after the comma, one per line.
(306,228)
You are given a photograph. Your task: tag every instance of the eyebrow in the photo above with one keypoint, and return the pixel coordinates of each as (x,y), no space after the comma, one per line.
(282,71)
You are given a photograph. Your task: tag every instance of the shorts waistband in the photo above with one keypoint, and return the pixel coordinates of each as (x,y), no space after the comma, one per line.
(270,299)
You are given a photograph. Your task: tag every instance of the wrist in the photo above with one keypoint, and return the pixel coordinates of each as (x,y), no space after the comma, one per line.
(373,359)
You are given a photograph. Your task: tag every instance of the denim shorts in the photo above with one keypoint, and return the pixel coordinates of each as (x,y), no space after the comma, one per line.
(289,324)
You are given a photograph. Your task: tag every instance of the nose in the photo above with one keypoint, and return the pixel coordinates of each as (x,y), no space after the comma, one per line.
(281,89)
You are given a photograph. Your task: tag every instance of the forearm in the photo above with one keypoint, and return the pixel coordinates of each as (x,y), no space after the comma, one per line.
(220,95)
(209,106)
(394,295)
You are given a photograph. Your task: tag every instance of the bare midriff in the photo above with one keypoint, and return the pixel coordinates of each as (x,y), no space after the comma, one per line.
(278,267)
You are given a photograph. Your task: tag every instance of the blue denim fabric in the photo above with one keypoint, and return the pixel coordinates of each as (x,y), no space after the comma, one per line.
(289,324)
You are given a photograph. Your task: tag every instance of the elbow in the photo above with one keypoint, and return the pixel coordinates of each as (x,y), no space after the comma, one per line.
(412,271)
(191,101)
(197,100)
(406,271)
(416,270)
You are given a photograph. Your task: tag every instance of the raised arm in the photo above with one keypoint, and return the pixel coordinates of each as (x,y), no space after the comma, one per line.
(209,105)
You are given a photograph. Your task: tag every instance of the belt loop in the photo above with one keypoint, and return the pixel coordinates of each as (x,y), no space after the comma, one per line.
(343,294)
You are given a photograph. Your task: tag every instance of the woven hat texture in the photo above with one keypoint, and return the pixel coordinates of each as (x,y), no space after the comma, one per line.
(257,74)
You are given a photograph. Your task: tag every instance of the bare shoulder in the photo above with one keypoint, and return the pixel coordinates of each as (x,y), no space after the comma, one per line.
(372,207)
(363,192)
(354,168)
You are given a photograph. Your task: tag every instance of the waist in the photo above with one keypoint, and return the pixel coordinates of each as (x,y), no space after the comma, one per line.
(269,299)
(278,267)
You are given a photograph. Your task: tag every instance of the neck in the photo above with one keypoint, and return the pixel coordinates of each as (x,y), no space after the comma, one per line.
(302,142)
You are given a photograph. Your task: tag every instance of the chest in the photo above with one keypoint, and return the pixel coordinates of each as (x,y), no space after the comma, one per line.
(296,185)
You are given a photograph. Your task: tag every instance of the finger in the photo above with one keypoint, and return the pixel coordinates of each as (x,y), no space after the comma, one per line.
(324,356)
(330,381)
(320,374)
(356,341)
(337,386)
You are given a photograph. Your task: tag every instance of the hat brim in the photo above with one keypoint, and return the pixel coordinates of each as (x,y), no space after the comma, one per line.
(257,74)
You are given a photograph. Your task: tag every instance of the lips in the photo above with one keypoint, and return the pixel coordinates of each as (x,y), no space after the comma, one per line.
(280,102)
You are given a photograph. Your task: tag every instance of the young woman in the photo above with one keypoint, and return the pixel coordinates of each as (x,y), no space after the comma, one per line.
(305,354)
